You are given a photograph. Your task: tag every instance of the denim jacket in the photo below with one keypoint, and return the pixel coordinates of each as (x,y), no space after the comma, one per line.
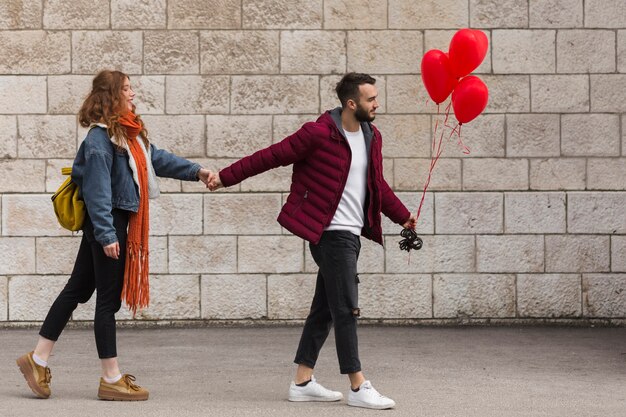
(102,172)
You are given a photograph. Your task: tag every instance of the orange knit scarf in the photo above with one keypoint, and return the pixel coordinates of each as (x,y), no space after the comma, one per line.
(136,290)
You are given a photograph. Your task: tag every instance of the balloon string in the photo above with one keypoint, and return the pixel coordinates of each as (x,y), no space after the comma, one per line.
(463,146)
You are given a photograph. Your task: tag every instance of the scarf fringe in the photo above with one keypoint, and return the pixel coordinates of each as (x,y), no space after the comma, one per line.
(136,292)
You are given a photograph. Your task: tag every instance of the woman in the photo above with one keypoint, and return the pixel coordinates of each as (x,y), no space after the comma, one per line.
(115,169)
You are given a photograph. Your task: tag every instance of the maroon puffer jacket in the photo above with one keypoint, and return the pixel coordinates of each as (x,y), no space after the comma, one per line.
(321,159)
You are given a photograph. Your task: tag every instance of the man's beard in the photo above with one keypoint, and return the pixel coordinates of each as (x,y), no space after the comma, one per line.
(362,115)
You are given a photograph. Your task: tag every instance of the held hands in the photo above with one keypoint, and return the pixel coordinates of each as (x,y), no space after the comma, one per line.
(210,179)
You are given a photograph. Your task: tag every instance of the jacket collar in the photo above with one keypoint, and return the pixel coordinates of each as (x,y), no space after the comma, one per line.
(366,127)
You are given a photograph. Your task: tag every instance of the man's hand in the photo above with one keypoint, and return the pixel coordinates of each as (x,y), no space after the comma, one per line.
(112,250)
(215,183)
(410,223)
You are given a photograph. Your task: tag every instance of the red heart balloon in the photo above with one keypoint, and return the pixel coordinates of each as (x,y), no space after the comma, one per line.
(469,98)
(468,48)
(436,75)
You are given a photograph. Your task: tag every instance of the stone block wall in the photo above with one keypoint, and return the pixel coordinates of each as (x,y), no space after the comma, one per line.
(528,227)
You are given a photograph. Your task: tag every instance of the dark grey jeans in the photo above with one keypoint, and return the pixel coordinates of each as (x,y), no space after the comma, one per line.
(335,301)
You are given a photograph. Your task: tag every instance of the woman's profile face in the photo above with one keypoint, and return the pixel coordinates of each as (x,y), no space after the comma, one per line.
(128,94)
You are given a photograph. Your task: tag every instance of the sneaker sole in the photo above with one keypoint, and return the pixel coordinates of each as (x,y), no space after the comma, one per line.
(370,406)
(120,396)
(24,366)
(313,399)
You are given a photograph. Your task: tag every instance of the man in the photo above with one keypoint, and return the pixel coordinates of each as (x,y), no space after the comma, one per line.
(337,194)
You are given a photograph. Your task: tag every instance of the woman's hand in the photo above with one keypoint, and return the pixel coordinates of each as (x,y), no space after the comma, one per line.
(112,250)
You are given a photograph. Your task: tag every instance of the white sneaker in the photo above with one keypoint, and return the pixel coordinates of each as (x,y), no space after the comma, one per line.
(368,397)
(312,392)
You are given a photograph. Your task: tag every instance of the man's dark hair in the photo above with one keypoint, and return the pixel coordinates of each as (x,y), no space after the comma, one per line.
(348,87)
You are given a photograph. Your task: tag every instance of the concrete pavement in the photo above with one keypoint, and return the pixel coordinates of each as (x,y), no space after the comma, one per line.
(428,371)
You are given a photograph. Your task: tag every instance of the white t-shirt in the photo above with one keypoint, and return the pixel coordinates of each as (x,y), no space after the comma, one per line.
(349,215)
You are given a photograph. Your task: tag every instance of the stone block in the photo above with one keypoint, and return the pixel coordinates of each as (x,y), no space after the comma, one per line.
(225,214)
(145,14)
(172,297)
(606,174)
(590,135)
(355,14)
(66,93)
(4,298)
(534,212)
(596,212)
(56,255)
(618,249)
(406,94)
(202,254)
(440,253)
(415,14)
(176,214)
(46,136)
(585,51)
(468,213)
(239,52)
(22,176)
(76,14)
(371,258)
(150,94)
(237,136)
(605,14)
(577,253)
(203,14)
(274,180)
(24,14)
(557,174)
(559,93)
(498,14)
(158,255)
(395,296)
(237,296)
(30,296)
(18,255)
(621,51)
(507,94)
(519,51)
(287,125)
(510,253)
(8,137)
(440,39)
(289,296)
(606,93)
(555,13)
(377,52)
(34,52)
(181,135)
(549,295)
(23,95)
(489,174)
(274,94)
(197,94)
(532,135)
(270,254)
(93,51)
(405,136)
(171,52)
(484,137)
(412,174)
(604,295)
(311,51)
(425,222)
(54,178)
(473,295)
(329,99)
(282,14)
(29,215)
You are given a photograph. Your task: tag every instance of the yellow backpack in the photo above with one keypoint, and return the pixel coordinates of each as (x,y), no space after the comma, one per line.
(69,209)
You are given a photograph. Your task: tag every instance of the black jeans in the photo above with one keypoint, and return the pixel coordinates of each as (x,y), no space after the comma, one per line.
(93,270)
(335,301)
